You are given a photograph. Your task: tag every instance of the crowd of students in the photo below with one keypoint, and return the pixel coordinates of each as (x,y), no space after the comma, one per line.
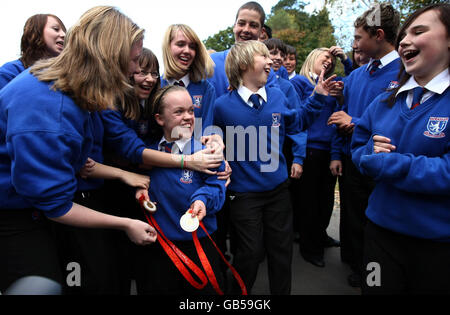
(91,132)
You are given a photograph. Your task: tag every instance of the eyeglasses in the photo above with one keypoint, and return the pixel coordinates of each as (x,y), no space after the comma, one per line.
(143,74)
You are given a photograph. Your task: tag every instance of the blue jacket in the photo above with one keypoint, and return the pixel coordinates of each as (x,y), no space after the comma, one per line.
(320,135)
(258,162)
(45,140)
(412,192)
(9,71)
(361,89)
(175,190)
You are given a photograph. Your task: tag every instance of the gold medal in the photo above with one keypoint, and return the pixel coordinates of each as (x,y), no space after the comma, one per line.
(149,206)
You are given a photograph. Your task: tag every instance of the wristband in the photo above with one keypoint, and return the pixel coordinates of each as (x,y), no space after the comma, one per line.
(182,161)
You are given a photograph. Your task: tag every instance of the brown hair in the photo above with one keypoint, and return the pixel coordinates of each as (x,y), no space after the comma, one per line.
(156,131)
(380,16)
(253,6)
(93,67)
(32,44)
(131,109)
(443,10)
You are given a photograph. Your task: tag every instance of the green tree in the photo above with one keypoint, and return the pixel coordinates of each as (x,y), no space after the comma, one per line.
(220,41)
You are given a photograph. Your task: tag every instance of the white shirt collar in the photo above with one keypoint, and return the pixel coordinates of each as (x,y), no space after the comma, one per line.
(387,59)
(177,147)
(245,93)
(293,74)
(438,85)
(185,80)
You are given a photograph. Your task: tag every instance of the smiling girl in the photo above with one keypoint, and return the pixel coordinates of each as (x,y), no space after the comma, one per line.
(173,123)
(403,142)
(315,190)
(43,37)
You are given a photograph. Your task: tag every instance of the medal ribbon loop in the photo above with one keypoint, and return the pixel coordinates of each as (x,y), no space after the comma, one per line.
(180,260)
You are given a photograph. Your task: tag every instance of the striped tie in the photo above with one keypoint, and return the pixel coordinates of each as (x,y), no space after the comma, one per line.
(166,146)
(254,99)
(417,96)
(374,66)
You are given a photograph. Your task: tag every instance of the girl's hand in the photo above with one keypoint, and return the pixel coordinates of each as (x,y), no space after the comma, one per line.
(336,168)
(198,209)
(324,87)
(142,192)
(213,141)
(296,170)
(140,232)
(337,89)
(382,144)
(225,175)
(341,119)
(135,180)
(204,160)
(338,52)
(87,169)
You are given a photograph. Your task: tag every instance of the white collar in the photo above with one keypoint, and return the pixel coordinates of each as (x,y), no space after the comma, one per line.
(387,59)
(245,93)
(437,85)
(185,80)
(180,144)
(313,76)
(293,74)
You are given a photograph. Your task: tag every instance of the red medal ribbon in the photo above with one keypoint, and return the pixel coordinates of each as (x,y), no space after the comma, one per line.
(180,259)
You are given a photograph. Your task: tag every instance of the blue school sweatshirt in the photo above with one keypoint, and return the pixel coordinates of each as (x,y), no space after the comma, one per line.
(320,135)
(412,192)
(203,97)
(361,89)
(174,190)
(45,140)
(9,71)
(294,102)
(96,154)
(258,164)
(125,136)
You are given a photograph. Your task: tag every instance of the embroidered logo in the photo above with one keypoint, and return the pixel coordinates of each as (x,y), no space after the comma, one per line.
(436,126)
(186,177)
(276,119)
(393,85)
(197,101)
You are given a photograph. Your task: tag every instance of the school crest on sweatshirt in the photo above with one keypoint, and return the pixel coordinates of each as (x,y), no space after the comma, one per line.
(186,176)
(276,119)
(197,101)
(436,127)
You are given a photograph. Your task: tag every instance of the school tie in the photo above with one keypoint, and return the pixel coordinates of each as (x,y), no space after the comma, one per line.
(166,146)
(417,96)
(374,66)
(254,98)
(180,83)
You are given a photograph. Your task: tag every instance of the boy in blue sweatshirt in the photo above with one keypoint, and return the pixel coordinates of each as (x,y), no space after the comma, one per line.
(256,120)
(362,86)
(204,194)
(402,141)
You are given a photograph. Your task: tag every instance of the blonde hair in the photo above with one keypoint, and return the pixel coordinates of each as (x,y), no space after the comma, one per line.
(93,67)
(308,65)
(241,58)
(202,67)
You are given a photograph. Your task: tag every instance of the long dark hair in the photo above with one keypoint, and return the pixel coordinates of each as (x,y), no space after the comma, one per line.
(444,16)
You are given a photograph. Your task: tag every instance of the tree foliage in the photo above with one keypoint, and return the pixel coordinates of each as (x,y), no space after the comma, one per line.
(220,41)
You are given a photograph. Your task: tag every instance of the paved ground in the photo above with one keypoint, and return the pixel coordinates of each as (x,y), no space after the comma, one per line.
(309,279)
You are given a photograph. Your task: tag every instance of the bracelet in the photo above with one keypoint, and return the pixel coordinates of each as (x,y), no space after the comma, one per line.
(182,161)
